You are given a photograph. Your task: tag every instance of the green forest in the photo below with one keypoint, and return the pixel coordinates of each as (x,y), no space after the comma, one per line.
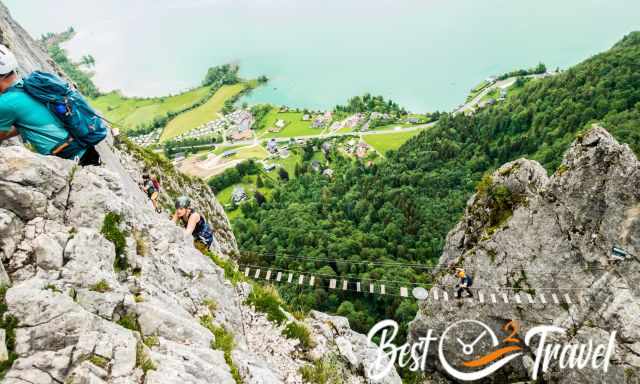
(400,209)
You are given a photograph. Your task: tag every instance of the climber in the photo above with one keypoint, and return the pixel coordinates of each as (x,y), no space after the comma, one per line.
(463,285)
(47,127)
(194,222)
(150,188)
(155,179)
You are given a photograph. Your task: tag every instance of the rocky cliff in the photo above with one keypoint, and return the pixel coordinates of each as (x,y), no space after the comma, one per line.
(95,287)
(31,56)
(103,291)
(524,232)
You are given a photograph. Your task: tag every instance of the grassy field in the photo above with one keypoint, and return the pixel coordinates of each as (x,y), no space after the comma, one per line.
(345,130)
(249,185)
(493,94)
(477,89)
(254,152)
(203,114)
(388,141)
(131,112)
(221,150)
(289,164)
(295,126)
(390,127)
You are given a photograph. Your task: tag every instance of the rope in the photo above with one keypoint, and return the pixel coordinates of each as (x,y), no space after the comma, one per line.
(396,283)
(235,289)
(383,264)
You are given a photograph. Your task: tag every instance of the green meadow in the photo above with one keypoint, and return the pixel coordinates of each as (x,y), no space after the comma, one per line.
(202,114)
(128,112)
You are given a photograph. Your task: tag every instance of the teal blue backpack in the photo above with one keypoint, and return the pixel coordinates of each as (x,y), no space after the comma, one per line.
(81,121)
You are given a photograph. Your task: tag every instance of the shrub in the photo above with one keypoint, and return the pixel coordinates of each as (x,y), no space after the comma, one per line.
(111,231)
(99,361)
(301,332)
(143,361)
(223,341)
(101,286)
(151,341)
(211,304)
(9,324)
(129,321)
(328,370)
(141,246)
(230,271)
(268,301)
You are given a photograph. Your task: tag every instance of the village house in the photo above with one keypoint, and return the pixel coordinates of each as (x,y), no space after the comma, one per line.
(306,117)
(350,145)
(268,167)
(378,115)
(503,94)
(239,195)
(337,125)
(315,165)
(328,173)
(241,135)
(272,146)
(361,149)
(229,153)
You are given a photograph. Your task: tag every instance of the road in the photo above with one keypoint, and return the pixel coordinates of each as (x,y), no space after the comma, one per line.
(506,83)
(366,133)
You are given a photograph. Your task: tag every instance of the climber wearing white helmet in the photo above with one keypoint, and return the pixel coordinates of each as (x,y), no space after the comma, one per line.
(21,114)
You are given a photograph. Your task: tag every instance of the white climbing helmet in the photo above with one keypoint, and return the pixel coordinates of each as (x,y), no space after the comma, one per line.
(8,62)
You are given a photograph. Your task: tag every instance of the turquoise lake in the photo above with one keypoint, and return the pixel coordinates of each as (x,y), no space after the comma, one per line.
(424,54)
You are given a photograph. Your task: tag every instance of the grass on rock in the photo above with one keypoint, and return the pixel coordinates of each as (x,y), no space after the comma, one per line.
(9,323)
(223,341)
(112,232)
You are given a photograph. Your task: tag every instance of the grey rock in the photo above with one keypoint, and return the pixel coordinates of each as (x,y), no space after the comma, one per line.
(177,362)
(172,324)
(48,252)
(346,350)
(10,229)
(559,237)
(354,347)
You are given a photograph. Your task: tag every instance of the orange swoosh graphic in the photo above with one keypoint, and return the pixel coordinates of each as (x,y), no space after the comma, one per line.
(484,360)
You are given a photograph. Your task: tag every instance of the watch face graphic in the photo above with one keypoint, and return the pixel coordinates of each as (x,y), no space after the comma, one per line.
(470,350)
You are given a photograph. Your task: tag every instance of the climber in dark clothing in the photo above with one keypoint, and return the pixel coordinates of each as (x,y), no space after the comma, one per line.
(194,222)
(464,283)
(151,189)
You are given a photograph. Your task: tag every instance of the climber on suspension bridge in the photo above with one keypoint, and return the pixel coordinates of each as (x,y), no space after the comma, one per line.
(50,115)
(151,187)
(194,223)
(463,285)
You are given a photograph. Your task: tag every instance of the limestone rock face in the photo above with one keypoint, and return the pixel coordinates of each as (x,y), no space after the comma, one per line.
(122,302)
(83,317)
(135,161)
(528,233)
